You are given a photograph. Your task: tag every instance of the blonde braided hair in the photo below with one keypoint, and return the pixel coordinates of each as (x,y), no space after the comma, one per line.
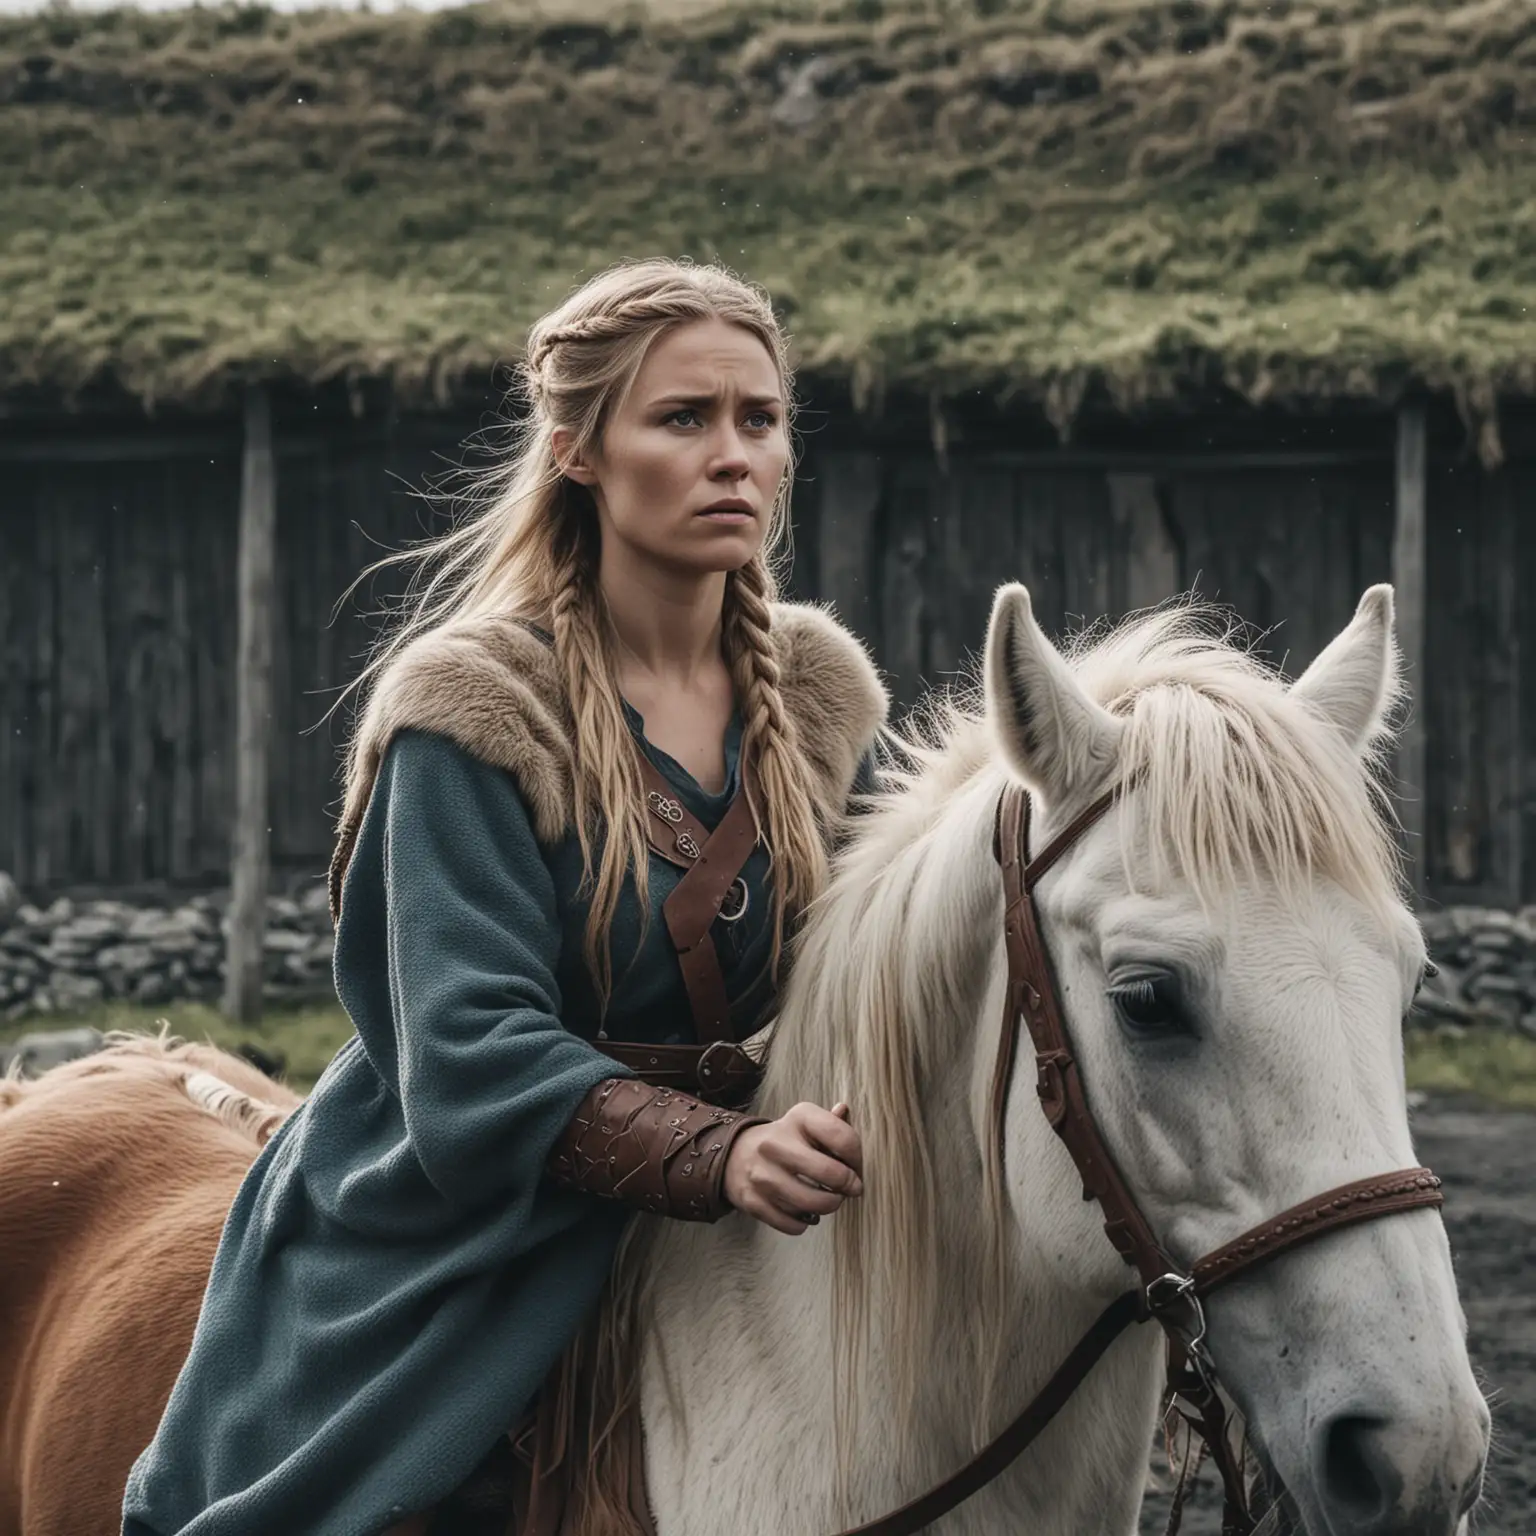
(785,818)
(607,767)
(529,547)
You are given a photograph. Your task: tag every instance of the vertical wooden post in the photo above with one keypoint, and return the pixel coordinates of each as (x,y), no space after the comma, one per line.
(1409,543)
(250,852)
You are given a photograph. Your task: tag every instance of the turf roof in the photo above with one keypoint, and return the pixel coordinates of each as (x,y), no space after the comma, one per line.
(1296,200)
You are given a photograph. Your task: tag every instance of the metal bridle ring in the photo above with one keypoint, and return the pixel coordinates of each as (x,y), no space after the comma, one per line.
(1180,1291)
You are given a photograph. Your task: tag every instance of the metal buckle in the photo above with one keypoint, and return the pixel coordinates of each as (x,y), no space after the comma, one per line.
(1162,1298)
(732,911)
(738,1072)
(1167,1291)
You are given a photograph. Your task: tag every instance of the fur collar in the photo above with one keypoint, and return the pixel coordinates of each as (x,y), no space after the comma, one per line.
(491,686)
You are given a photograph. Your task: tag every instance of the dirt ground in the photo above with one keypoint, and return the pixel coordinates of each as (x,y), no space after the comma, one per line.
(1488,1161)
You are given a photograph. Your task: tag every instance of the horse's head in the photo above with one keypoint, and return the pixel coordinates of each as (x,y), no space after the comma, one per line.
(1234,960)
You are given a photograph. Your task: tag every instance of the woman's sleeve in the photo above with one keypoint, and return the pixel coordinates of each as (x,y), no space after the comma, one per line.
(446,956)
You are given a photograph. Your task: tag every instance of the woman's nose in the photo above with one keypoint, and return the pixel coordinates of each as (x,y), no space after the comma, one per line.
(731,454)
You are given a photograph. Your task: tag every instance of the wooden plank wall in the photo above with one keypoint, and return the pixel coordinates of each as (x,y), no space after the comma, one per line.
(339,511)
(117,646)
(116,641)
(1290,548)
(912,556)
(117,621)
(1479,715)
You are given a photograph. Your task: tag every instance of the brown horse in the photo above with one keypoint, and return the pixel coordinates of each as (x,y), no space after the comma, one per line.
(108,1243)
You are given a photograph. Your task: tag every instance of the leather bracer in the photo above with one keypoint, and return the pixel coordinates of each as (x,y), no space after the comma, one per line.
(654,1148)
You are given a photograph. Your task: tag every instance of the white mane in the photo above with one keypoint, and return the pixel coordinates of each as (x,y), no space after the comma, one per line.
(1236,778)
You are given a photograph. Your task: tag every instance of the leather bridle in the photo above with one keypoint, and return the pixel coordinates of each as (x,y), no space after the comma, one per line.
(1164,1293)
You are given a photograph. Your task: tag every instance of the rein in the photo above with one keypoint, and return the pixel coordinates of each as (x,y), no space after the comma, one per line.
(1164,1293)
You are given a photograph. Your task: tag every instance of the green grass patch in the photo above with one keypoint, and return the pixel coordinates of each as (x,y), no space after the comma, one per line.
(304,1038)
(1495,1065)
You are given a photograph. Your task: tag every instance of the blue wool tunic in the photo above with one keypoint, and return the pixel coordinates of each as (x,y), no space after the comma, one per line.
(396,1277)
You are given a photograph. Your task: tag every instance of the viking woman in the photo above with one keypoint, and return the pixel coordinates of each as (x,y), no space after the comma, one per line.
(593,790)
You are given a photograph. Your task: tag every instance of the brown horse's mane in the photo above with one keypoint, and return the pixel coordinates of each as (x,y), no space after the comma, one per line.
(236,1094)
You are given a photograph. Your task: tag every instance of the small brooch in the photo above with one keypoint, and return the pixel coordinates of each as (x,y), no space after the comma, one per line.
(668,810)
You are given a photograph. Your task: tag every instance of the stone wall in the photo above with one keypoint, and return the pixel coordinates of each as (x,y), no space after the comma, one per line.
(1487,969)
(74,954)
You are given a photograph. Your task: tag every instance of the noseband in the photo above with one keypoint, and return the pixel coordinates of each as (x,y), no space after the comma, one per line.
(1164,1293)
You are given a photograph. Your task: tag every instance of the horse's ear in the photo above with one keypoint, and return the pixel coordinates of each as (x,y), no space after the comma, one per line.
(1054,736)
(1355,682)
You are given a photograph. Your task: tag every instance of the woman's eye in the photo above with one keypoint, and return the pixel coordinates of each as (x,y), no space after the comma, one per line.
(676,417)
(1150,1006)
(765,420)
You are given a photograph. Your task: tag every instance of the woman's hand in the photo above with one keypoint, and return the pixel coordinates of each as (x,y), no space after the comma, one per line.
(790,1173)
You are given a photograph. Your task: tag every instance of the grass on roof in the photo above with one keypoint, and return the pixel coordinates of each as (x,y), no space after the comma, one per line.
(1294,200)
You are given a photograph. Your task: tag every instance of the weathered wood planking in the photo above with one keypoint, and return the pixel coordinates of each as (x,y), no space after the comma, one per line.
(906,576)
(321,554)
(976,541)
(1145,570)
(1289,551)
(1474,769)
(846,490)
(117,585)
(1410,550)
(254,746)
(117,617)
(22,690)
(1520,500)
(339,513)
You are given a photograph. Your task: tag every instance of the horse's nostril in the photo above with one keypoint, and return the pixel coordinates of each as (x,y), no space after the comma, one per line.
(1472,1489)
(1473,1493)
(1399,1474)
(1358,1481)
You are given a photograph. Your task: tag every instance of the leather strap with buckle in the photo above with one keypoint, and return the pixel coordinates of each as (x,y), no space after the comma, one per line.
(722,1071)
(712,888)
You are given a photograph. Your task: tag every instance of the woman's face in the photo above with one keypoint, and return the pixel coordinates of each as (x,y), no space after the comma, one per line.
(691,461)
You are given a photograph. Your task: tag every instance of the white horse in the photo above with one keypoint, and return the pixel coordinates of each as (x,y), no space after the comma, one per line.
(1234,961)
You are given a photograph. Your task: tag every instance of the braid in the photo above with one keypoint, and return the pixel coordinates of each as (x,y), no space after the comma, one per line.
(593,328)
(607,772)
(604,327)
(780,796)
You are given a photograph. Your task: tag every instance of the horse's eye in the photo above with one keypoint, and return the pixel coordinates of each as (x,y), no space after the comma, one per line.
(1150,1007)
(1430,971)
